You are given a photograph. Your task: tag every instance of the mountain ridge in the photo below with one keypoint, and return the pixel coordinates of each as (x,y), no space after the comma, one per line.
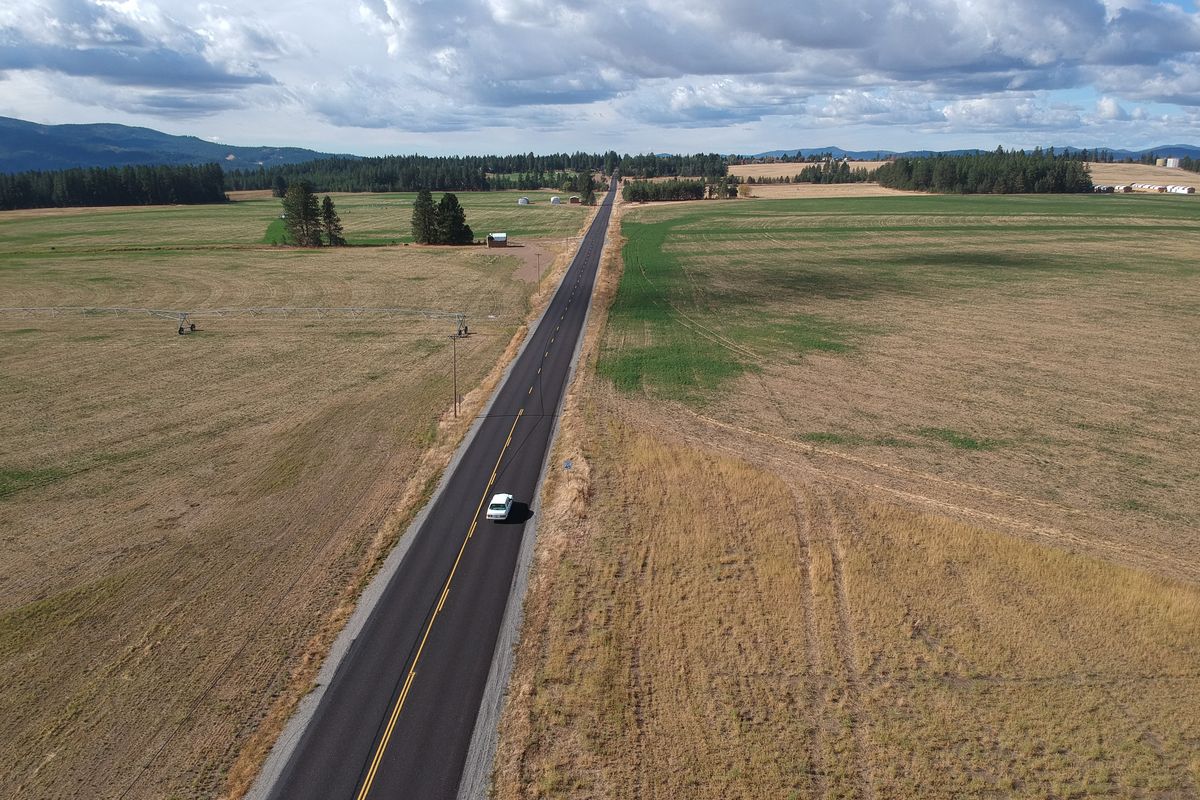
(27,146)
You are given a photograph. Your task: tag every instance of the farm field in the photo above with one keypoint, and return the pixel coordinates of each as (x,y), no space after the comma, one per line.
(876,497)
(780,170)
(1142,173)
(186,520)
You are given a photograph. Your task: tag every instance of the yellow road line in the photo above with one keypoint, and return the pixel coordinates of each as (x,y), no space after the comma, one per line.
(412,672)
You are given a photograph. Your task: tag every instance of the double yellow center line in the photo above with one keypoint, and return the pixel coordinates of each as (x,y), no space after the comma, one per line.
(412,672)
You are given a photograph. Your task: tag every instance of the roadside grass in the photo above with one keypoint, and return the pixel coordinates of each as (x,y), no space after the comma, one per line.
(771,636)
(186,519)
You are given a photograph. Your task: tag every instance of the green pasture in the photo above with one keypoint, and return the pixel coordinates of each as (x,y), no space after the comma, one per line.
(369,219)
(712,290)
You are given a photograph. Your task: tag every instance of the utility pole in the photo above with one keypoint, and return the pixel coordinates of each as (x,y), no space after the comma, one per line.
(539,262)
(454,347)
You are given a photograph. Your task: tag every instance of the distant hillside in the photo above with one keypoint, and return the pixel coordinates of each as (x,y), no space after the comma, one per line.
(28,146)
(1166,151)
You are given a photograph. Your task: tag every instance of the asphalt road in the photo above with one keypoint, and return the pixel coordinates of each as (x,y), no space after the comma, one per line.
(397,718)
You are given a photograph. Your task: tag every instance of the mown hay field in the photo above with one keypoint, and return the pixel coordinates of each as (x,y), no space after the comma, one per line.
(186,519)
(888,497)
(790,169)
(1142,173)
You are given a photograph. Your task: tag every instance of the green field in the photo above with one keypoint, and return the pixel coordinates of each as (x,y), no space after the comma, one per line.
(713,290)
(369,219)
(1042,346)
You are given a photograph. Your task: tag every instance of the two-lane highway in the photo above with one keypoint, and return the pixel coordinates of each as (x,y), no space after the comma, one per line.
(397,718)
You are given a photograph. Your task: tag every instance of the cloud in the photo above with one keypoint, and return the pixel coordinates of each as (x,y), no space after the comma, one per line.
(463,65)
(362,98)
(1010,113)
(1109,109)
(133,44)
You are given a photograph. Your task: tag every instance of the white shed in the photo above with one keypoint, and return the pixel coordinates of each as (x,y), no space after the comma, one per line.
(522,201)
(556,201)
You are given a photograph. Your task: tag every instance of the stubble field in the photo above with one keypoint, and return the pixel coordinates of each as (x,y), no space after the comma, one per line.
(186,519)
(885,497)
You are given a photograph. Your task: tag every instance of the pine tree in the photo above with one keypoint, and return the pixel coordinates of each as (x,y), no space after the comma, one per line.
(424,219)
(332,223)
(279,186)
(301,216)
(452,227)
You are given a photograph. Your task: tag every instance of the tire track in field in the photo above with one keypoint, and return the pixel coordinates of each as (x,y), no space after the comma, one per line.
(815,685)
(845,641)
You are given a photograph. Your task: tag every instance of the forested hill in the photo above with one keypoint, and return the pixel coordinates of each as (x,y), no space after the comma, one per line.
(468,173)
(27,146)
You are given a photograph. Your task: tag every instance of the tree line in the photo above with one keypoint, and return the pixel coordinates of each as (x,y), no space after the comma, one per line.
(467,173)
(997,172)
(836,172)
(113,186)
(675,189)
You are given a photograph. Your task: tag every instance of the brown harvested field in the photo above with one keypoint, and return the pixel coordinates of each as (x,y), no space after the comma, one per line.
(882,498)
(780,170)
(187,519)
(1142,173)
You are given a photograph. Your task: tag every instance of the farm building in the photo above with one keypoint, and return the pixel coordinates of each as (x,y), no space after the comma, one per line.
(522,201)
(574,199)
(497,240)
(556,201)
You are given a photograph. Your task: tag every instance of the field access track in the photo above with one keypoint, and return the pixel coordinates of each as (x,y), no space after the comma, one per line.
(397,719)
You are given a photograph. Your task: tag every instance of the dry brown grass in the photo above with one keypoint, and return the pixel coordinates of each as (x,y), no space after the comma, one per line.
(721,607)
(1141,173)
(709,629)
(187,520)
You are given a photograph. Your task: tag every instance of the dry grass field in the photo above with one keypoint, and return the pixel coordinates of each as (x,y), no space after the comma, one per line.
(780,170)
(1142,173)
(876,498)
(186,520)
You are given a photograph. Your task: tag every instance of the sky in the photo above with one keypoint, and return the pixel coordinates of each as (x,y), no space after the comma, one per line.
(375,77)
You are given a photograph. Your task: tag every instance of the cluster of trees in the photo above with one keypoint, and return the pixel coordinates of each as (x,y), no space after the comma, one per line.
(307,224)
(832,172)
(113,186)
(1190,164)
(643,191)
(466,173)
(445,223)
(998,172)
